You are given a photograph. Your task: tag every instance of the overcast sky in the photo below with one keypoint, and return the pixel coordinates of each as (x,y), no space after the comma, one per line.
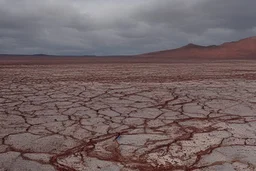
(111,27)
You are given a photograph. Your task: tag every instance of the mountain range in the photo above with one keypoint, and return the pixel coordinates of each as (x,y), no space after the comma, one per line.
(242,49)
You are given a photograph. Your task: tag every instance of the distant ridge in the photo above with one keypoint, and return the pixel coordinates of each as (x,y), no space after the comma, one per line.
(44,55)
(41,55)
(242,49)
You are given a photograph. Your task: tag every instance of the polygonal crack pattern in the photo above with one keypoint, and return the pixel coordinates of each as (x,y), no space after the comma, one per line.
(77,126)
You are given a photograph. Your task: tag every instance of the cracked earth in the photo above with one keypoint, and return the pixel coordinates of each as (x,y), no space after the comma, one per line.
(48,123)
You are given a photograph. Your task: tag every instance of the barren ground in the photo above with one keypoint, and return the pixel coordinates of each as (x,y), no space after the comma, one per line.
(127,116)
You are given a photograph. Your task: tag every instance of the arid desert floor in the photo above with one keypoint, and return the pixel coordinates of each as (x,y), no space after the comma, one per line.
(121,116)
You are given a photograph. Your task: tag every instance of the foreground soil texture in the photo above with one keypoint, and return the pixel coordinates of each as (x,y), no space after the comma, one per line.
(127,116)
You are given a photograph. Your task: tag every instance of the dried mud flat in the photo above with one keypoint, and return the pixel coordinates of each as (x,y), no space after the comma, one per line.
(128,117)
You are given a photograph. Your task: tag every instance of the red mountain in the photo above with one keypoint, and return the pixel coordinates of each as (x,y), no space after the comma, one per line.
(242,49)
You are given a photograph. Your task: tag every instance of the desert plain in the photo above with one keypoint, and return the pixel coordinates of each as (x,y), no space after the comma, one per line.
(120,114)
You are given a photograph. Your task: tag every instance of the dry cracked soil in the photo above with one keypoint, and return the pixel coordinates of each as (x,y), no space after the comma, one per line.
(189,116)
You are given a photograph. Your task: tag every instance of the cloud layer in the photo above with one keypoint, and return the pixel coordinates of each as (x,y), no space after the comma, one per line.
(111,27)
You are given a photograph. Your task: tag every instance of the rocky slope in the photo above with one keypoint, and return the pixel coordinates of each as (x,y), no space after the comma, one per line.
(245,49)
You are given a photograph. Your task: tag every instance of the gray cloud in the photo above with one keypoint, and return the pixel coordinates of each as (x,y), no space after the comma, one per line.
(120,27)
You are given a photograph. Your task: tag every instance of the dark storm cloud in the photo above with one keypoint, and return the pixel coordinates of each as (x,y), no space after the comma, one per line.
(200,15)
(233,14)
(120,27)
